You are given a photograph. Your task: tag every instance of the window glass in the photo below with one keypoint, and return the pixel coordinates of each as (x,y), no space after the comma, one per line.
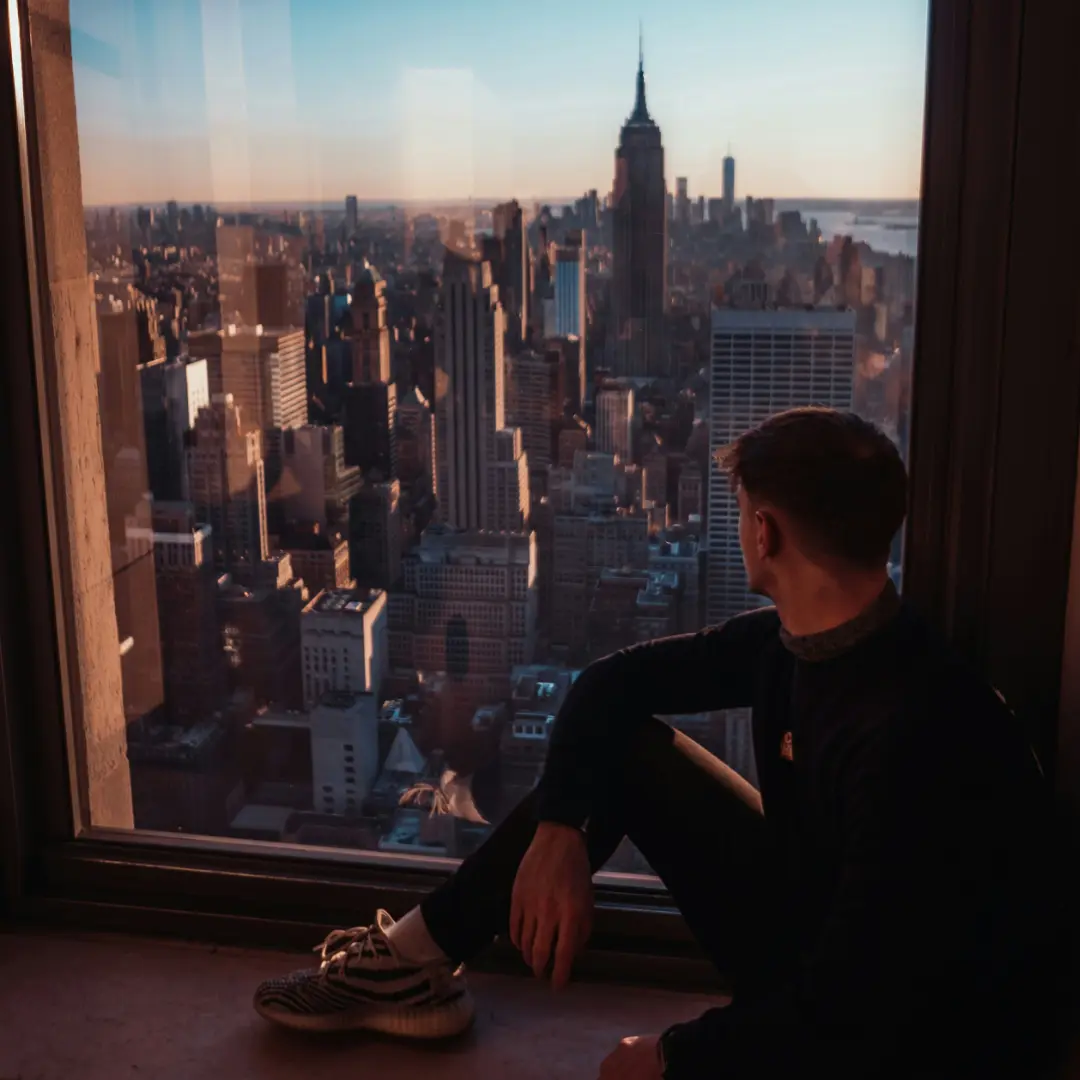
(412,361)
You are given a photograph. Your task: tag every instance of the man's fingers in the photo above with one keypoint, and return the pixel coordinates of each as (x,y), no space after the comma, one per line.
(565,951)
(528,933)
(515,917)
(541,946)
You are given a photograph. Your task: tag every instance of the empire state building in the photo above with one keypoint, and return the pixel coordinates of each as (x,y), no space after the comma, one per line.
(639,287)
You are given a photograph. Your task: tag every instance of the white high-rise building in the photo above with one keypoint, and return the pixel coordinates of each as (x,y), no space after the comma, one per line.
(615,421)
(762,362)
(470,393)
(344,751)
(344,646)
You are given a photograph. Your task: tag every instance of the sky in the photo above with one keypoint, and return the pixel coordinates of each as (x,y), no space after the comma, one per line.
(238,101)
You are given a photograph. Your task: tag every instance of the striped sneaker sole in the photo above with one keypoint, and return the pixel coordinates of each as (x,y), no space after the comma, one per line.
(439,1020)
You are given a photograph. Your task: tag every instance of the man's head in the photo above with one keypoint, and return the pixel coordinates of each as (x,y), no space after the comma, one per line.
(820,492)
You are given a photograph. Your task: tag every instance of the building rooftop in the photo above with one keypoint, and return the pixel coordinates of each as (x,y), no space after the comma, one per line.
(441,544)
(395,711)
(257,818)
(169,744)
(366,274)
(540,686)
(784,320)
(343,601)
(280,718)
(684,548)
(340,699)
(404,835)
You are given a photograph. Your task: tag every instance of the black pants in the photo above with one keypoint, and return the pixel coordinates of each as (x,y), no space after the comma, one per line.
(696,821)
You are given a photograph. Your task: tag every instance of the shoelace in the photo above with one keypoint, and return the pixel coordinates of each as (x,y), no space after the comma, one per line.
(340,945)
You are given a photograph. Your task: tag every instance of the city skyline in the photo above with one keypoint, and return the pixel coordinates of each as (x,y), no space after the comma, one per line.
(252,103)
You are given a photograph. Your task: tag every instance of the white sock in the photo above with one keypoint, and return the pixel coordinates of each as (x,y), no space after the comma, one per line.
(413,941)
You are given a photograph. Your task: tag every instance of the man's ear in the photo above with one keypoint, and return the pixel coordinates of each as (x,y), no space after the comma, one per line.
(767,534)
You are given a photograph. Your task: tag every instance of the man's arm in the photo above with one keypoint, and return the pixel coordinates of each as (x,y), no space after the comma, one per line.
(713,669)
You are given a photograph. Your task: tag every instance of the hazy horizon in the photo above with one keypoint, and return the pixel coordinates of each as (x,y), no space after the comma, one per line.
(293,101)
(556,202)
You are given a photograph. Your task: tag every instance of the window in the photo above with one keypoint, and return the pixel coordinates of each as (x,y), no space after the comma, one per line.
(236,294)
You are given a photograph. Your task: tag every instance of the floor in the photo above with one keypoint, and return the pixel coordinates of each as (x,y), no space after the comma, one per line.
(102,1007)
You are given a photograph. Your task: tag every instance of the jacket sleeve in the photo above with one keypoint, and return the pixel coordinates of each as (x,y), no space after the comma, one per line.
(712,669)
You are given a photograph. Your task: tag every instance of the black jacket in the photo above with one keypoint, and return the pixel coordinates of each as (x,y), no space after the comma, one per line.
(916,831)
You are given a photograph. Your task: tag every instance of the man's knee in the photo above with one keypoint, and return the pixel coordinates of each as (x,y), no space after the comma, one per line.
(651,742)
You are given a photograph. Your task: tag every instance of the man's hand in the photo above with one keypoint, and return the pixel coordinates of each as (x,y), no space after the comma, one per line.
(552,901)
(635,1058)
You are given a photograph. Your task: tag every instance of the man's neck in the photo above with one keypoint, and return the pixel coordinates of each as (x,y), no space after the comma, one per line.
(828,603)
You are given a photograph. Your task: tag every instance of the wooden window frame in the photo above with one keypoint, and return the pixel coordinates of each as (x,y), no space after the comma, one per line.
(996,416)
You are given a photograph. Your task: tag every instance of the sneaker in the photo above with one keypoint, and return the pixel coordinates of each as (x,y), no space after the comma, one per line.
(363,982)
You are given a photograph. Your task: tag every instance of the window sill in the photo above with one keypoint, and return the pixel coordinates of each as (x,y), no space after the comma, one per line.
(240,893)
(134,1006)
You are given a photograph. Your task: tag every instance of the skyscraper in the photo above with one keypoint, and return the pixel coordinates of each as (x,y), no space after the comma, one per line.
(534,402)
(508,483)
(265,372)
(261,626)
(764,361)
(262,369)
(370,427)
(227,486)
(191,642)
(570,287)
(682,202)
(469,394)
(415,438)
(316,483)
(729,184)
(512,275)
(586,542)
(352,216)
(187,390)
(254,286)
(127,334)
(639,293)
(614,421)
(375,535)
(366,328)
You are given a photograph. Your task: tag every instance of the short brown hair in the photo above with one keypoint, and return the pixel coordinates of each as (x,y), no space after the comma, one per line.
(839,477)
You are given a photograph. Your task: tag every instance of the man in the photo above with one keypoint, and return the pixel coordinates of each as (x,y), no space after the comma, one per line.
(883,905)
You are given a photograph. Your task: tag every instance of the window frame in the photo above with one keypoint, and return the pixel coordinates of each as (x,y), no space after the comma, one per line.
(981,435)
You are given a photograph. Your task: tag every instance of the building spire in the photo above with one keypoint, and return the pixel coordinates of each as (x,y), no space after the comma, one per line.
(640,115)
